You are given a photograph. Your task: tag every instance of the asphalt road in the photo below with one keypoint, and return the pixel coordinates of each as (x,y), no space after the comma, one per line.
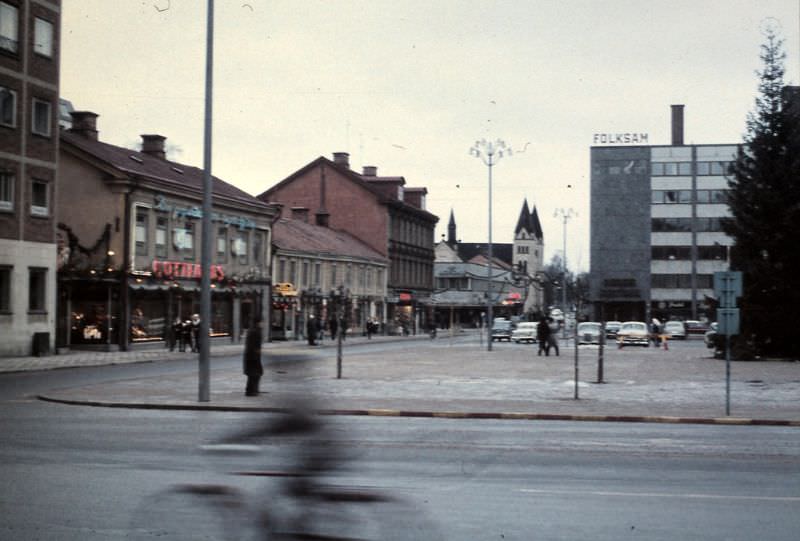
(83,473)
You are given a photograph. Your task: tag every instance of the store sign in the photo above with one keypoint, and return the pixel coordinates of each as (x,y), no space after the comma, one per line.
(180,269)
(284,288)
(241,222)
(620,138)
(405,297)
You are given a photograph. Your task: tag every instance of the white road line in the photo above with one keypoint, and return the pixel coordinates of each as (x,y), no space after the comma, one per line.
(661,495)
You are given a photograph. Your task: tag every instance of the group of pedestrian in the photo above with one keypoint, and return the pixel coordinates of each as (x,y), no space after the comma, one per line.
(186,334)
(547,336)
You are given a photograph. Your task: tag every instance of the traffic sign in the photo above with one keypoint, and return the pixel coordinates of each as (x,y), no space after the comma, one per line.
(727,287)
(728,321)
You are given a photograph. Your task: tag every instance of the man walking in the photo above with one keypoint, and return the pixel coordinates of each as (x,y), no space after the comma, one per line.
(543,336)
(252,358)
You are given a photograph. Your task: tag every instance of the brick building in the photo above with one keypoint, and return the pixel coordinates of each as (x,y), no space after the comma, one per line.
(129,263)
(29,86)
(380,211)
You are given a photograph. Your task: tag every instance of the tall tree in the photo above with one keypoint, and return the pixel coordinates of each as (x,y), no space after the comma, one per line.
(764,199)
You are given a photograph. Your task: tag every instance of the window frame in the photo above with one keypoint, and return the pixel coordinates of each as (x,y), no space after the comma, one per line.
(162,226)
(141,230)
(13,40)
(37,291)
(222,245)
(39,210)
(7,205)
(6,277)
(12,123)
(40,25)
(35,117)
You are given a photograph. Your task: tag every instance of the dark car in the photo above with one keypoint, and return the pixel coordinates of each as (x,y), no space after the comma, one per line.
(501,330)
(695,328)
(612,328)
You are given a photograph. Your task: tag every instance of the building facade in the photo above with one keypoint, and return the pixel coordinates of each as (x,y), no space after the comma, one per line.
(130,245)
(656,227)
(29,87)
(309,263)
(380,211)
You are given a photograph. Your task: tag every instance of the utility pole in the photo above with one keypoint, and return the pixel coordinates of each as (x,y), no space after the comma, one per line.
(566,214)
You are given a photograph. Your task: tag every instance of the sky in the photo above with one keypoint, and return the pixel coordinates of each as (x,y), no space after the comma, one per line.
(409,86)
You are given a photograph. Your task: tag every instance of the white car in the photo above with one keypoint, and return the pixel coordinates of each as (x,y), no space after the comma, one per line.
(675,330)
(525,332)
(633,332)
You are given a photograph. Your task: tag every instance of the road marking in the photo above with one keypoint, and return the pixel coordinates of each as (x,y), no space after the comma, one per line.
(661,495)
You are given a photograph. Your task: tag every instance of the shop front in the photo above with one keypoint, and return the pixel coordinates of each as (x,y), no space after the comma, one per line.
(284,312)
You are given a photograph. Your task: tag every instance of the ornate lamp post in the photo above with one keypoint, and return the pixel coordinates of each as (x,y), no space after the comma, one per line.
(566,214)
(489,153)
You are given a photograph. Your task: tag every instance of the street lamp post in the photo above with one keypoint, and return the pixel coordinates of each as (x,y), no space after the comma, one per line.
(490,153)
(566,214)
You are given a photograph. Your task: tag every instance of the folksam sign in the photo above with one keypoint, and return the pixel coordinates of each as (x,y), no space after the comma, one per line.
(626,138)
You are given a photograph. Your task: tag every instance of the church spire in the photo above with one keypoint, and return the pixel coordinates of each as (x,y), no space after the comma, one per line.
(524,221)
(536,226)
(451,230)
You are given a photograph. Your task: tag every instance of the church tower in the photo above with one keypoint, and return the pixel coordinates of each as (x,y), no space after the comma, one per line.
(529,253)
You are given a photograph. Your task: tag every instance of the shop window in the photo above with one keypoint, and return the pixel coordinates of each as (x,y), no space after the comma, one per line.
(43,37)
(5,289)
(140,233)
(8,107)
(162,224)
(9,27)
(90,323)
(40,198)
(37,289)
(148,317)
(6,191)
(221,323)
(222,245)
(41,117)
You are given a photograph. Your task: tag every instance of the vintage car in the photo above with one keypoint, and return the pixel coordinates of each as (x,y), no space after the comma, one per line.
(589,332)
(525,332)
(633,333)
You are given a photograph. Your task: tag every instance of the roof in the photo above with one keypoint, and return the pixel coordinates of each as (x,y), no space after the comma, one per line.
(502,251)
(138,164)
(300,236)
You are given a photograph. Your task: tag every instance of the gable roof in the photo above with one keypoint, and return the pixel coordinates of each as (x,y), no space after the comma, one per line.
(300,236)
(134,163)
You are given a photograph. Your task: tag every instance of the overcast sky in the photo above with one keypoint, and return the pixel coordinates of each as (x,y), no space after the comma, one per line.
(410,85)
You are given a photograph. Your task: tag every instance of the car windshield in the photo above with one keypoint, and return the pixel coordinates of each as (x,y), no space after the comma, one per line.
(587,327)
(633,327)
(674,325)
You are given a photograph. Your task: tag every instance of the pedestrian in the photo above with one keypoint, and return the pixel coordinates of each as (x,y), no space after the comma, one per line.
(552,338)
(186,335)
(369,329)
(543,337)
(333,327)
(176,334)
(195,325)
(252,358)
(311,330)
(655,331)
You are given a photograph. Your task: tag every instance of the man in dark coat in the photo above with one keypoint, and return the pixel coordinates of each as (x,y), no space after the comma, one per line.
(332,324)
(311,330)
(252,358)
(543,336)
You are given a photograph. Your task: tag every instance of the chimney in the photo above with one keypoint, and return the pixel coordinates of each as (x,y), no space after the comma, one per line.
(84,123)
(342,158)
(154,146)
(677,125)
(370,171)
(300,214)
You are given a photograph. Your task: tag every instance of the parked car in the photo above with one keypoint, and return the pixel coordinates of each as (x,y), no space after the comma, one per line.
(611,328)
(525,332)
(589,332)
(501,330)
(694,327)
(633,333)
(675,330)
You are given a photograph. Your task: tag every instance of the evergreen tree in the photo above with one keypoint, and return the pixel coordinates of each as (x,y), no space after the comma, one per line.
(764,199)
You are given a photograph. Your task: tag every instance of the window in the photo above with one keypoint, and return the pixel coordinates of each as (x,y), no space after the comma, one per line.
(293,272)
(41,117)
(522,249)
(37,283)
(333,275)
(240,248)
(282,270)
(162,224)
(8,107)
(304,276)
(222,244)
(5,289)
(43,37)
(258,248)
(140,234)
(9,27)
(183,240)
(39,198)
(6,191)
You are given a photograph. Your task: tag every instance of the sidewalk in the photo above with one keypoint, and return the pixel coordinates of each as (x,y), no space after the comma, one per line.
(460,379)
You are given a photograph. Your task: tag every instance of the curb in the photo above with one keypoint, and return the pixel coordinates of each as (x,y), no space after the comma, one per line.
(506,416)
